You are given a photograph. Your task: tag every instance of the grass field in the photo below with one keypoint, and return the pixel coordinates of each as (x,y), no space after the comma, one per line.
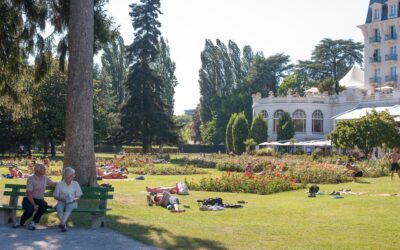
(287,220)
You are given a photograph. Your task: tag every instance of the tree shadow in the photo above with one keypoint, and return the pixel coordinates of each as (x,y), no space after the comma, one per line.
(165,238)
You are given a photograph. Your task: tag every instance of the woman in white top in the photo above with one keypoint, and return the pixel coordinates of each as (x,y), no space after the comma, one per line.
(67,192)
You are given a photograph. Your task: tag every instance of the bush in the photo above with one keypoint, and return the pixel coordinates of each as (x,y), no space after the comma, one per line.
(200,162)
(166,170)
(375,168)
(138,149)
(240,132)
(241,183)
(265,152)
(201,148)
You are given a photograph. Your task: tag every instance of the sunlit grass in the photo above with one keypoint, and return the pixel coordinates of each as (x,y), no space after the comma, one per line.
(287,220)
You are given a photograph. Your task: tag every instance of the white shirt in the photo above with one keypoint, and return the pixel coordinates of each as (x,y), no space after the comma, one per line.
(68,192)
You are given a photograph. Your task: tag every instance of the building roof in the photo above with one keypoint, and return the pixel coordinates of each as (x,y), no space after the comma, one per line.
(315,143)
(354,79)
(360,112)
(384,10)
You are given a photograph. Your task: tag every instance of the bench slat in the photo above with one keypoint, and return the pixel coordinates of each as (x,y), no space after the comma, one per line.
(49,210)
(84,189)
(84,196)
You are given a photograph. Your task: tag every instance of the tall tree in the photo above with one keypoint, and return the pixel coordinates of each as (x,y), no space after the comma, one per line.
(79,141)
(114,68)
(266,73)
(332,59)
(166,70)
(285,128)
(145,116)
(196,124)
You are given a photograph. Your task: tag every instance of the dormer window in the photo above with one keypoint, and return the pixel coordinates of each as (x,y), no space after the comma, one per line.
(377,14)
(393,10)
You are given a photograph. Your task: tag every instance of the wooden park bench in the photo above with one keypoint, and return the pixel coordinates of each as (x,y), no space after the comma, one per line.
(93,201)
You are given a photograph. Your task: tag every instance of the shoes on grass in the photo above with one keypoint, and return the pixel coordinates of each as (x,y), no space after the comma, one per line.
(334,193)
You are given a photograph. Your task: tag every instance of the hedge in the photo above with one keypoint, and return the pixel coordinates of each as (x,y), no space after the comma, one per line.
(201,148)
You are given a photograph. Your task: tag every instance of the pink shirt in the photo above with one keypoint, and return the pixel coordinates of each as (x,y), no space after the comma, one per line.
(37,185)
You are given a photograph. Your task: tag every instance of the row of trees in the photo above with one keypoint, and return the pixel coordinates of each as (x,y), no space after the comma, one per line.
(229,76)
(142,109)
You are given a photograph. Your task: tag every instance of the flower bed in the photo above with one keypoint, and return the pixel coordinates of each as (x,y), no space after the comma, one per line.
(166,170)
(241,183)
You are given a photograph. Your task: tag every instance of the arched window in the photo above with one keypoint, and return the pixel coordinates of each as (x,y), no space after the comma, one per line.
(277,115)
(264,114)
(299,121)
(317,121)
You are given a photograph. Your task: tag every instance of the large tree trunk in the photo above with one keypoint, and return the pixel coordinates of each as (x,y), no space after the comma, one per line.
(79,143)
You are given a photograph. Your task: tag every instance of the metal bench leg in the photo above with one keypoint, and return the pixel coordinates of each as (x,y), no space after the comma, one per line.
(97,220)
(7,217)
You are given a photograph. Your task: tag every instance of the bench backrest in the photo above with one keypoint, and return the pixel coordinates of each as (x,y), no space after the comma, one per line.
(94,193)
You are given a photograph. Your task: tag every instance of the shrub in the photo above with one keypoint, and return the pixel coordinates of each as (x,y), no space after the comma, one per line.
(259,129)
(240,183)
(265,152)
(166,170)
(228,133)
(240,132)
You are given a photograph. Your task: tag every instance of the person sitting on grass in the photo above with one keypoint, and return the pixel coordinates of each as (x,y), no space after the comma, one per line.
(167,200)
(354,170)
(67,193)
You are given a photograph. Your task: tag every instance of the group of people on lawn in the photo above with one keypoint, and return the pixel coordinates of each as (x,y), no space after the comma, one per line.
(67,192)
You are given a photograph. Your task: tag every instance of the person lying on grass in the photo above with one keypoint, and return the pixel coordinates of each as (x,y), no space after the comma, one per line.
(109,175)
(166,200)
(171,190)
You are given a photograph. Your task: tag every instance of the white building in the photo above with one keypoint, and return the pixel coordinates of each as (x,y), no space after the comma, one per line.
(377,86)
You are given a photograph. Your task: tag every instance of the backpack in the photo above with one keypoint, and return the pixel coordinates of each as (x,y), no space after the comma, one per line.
(182,188)
(213,201)
(313,189)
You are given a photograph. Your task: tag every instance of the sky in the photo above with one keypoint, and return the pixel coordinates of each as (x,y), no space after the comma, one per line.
(292,27)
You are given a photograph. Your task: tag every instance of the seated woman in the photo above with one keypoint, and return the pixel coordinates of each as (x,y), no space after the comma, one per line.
(67,193)
(169,201)
(355,171)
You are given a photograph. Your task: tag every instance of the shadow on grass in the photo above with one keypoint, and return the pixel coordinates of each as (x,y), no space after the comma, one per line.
(165,238)
(147,234)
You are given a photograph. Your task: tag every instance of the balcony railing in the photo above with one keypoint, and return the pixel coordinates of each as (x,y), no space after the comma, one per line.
(391,57)
(375,59)
(375,39)
(375,80)
(391,36)
(391,78)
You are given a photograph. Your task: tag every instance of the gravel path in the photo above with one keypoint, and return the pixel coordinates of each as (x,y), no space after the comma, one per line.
(75,238)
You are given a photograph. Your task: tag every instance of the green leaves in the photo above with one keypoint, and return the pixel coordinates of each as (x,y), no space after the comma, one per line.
(373,130)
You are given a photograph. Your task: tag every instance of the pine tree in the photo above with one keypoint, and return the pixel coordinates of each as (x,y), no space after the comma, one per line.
(145,117)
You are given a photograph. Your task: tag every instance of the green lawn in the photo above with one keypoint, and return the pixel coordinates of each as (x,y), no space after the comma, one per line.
(288,220)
